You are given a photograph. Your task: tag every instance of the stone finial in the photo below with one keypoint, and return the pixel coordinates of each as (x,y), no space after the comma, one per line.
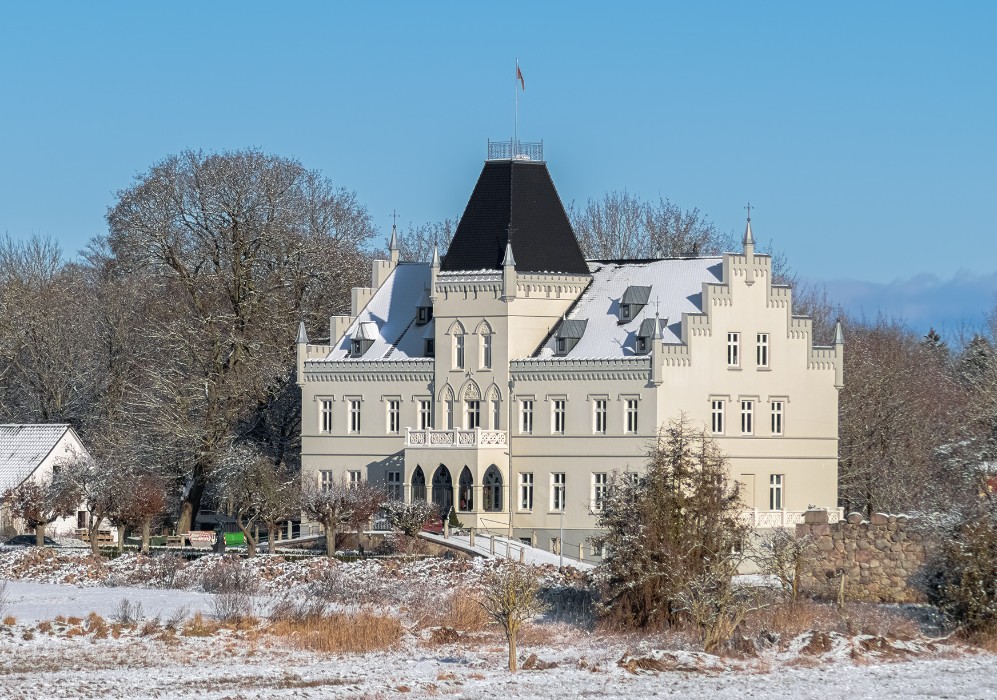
(839,336)
(508,260)
(302,334)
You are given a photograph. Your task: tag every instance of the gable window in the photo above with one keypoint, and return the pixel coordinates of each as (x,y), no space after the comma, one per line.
(634,299)
(557,491)
(394,416)
(486,351)
(558,407)
(599,416)
(733,349)
(600,485)
(354,415)
(717,407)
(458,351)
(776,483)
(568,334)
(393,486)
(325,416)
(762,350)
(777,417)
(472,415)
(526,490)
(630,415)
(526,416)
(747,417)
(425,414)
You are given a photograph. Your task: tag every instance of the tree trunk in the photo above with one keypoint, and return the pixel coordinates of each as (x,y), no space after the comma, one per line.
(511,636)
(92,535)
(40,534)
(146,527)
(330,539)
(121,538)
(247,534)
(191,504)
(271,537)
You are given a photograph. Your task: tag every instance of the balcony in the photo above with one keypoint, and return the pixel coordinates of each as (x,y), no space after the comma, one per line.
(766,519)
(458,437)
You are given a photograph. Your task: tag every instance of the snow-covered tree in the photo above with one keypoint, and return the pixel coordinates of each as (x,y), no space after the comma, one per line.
(509,596)
(410,517)
(40,503)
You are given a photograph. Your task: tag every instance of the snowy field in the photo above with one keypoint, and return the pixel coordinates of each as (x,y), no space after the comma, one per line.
(47,652)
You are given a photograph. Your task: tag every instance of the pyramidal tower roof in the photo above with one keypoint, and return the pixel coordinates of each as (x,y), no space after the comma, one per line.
(514,201)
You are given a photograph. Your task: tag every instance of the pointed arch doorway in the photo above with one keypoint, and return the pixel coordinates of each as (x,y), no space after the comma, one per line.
(443,490)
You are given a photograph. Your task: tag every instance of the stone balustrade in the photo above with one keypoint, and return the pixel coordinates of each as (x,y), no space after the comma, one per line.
(461,438)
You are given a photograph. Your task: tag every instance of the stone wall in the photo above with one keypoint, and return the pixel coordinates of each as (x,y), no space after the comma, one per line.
(878,557)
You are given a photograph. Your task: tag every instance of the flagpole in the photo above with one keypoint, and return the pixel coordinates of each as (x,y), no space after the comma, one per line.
(515,133)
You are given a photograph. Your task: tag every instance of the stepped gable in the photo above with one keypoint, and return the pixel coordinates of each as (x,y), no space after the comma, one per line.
(515,200)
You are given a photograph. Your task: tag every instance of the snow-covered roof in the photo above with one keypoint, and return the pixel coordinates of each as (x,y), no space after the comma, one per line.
(389,318)
(676,286)
(23,448)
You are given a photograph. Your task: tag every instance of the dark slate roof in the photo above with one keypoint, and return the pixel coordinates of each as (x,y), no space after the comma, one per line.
(519,196)
(572,328)
(647,327)
(636,295)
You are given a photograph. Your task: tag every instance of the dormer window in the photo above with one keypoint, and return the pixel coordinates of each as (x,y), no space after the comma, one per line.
(362,339)
(632,302)
(424,314)
(430,347)
(647,333)
(568,335)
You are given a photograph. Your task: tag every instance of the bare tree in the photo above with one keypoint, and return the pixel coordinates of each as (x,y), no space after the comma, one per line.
(509,596)
(363,501)
(100,485)
(329,505)
(410,517)
(254,490)
(784,555)
(143,502)
(40,503)
(243,244)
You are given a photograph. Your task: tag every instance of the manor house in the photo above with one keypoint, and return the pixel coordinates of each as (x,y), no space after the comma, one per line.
(509,380)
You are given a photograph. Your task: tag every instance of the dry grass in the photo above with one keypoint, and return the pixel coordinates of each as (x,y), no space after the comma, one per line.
(45,627)
(334,633)
(457,610)
(790,620)
(97,625)
(200,627)
(10,620)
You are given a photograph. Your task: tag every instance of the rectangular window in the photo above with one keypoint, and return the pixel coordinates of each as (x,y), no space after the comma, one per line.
(557,484)
(394,416)
(526,490)
(630,415)
(600,482)
(747,417)
(496,414)
(557,416)
(354,409)
(776,491)
(326,479)
(325,416)
(717,416)
(763,350)
(458,352)
(448,415)
(733,349)
(353,477)
(430,347)
(472,415)
(777,416)
(425,414)
(393,486)
(486,351)
(599,416)
(526,416)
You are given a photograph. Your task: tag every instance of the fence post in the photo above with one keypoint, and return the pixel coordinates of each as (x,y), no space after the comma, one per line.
(470,536)
(581,553)
(522,555)
(491,545)
(508,549)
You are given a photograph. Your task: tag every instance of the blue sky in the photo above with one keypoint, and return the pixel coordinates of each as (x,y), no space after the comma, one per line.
(863,133)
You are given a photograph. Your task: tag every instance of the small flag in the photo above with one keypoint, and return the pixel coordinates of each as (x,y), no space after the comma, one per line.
(519,77)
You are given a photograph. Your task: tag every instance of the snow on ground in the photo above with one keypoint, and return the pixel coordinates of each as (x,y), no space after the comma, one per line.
(29,601)
(505,548)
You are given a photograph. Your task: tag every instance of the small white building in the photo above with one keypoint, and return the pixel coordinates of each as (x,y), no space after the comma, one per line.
(511,379)
(33,452)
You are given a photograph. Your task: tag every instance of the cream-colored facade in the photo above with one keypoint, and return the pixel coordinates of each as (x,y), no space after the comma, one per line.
(512,396)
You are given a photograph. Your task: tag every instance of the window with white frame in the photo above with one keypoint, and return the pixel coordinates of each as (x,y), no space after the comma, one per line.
(496,414)
(353,477)
(472,414)
(526,490)
(526,416)
(486,351)
(458,351)
(778,409)
(747,416)
(600,484)
(599,415)
(717,408)
(393,486)
(558,407)
(776,491)
(557,491)
(425,414)
(353,407)
(394,423)
(630,415)
(762,350)
(733,349)
(326,479)
(325,415)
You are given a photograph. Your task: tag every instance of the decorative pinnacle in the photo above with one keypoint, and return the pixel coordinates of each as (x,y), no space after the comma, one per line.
(436,256)
(839,336)
(393,245)
(302,334)
(508,260)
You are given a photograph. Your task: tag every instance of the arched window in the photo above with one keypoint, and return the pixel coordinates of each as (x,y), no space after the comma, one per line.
(485,332)
(457,355)
(418,484)
(465,493)
(492,491)
(443,490)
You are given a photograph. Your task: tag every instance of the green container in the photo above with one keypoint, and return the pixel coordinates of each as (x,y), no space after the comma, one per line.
(234,539)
